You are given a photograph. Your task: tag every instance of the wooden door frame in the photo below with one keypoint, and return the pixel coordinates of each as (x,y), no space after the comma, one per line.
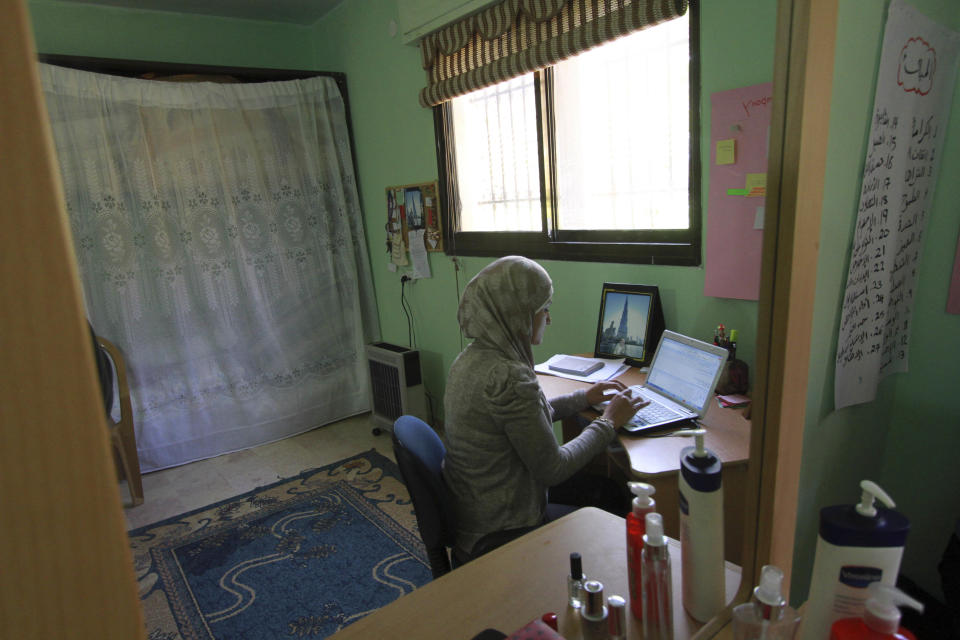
(67,566)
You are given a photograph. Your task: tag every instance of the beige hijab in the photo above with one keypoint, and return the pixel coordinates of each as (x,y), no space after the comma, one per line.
(499,303)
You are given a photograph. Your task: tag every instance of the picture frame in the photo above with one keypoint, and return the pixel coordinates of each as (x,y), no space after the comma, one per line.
(630,323)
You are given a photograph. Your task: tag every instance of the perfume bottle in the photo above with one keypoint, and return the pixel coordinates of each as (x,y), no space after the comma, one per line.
(766,616)
(656,588)
(575,581)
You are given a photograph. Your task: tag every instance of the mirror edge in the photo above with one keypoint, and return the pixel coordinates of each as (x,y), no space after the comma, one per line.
(803,79)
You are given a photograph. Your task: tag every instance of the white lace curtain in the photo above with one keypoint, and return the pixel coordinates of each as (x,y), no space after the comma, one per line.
(220,245)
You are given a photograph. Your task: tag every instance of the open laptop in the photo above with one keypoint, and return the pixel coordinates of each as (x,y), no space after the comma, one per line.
(680,384)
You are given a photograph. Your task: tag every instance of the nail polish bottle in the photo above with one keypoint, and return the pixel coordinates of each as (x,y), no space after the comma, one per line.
(575,581)
(593,613)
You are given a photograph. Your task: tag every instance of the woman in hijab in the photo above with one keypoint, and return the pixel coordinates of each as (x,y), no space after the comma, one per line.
(502,454)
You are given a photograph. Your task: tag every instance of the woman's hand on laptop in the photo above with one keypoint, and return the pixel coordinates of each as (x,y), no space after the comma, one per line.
(603,391)
(623,406)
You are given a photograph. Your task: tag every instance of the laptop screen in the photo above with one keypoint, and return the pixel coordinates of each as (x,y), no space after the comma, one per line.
(684,372)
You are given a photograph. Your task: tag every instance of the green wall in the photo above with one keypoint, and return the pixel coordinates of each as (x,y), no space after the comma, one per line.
(395,145)
(904,440)
(72,28)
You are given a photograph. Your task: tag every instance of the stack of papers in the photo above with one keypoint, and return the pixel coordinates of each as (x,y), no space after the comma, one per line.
(563,366)
(733,401)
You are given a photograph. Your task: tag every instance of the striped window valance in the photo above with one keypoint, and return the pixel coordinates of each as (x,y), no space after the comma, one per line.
(514,37)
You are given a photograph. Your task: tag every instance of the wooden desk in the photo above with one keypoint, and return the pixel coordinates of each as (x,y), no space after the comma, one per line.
(522,580)
(657,459)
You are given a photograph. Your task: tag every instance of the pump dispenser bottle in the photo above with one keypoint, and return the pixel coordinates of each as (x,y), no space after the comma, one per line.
(656,585)
(701,529)
(881,617)
(643,504)
(858,545)
(766,616)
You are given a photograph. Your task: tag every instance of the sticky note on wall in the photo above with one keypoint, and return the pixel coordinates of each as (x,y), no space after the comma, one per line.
(727,151)
(756,185)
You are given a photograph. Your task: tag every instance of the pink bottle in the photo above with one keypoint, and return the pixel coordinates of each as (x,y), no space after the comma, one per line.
(881,617)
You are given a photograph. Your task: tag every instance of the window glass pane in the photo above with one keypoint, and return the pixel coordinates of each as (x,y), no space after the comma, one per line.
(498,174)
(622,132)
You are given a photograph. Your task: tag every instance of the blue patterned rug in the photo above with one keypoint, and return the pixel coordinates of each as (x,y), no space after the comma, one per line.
(300,558)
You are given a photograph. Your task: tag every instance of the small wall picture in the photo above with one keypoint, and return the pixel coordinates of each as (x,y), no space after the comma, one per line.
(413,207)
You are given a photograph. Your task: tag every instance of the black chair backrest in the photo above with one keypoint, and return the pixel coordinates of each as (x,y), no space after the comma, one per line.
(419,454)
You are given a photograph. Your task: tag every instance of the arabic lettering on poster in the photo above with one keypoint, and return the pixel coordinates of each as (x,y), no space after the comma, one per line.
(916,186)
(897,182)
(918,61)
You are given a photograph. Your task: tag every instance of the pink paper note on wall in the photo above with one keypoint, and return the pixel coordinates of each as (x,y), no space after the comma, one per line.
(734,244)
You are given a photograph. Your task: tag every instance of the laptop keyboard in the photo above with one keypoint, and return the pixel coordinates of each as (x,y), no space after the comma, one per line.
(653,413)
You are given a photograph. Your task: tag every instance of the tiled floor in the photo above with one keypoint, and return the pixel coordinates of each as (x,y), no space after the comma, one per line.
(180,489)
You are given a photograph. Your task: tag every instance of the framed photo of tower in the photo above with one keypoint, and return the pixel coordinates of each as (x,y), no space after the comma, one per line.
(630,323)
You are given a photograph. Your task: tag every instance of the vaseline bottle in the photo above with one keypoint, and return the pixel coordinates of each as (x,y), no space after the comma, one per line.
(701,530)
(643,504)
(858,545)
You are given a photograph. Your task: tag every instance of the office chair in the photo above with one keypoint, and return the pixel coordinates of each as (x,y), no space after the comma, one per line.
(420,454)
(122,436)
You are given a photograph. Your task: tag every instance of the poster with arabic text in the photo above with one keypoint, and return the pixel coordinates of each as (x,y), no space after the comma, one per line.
(915,80)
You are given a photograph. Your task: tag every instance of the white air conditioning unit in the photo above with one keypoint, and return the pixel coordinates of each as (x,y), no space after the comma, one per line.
(396,387)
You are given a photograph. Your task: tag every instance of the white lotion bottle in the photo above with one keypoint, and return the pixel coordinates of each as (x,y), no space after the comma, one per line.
(701,530)
(858,544)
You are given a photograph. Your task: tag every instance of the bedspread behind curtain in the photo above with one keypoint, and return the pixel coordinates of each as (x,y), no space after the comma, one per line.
(220,245)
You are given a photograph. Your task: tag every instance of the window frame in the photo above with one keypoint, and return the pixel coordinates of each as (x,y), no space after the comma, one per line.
(681,247)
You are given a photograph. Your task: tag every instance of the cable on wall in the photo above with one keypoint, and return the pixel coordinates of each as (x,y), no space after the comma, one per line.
(411,341)
(412,338)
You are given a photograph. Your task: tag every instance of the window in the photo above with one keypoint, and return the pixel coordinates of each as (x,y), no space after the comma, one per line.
(594,158)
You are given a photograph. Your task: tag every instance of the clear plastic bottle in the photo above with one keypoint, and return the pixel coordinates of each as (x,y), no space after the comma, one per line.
(643,504)
(766,616)
(656,584)
(881,617)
